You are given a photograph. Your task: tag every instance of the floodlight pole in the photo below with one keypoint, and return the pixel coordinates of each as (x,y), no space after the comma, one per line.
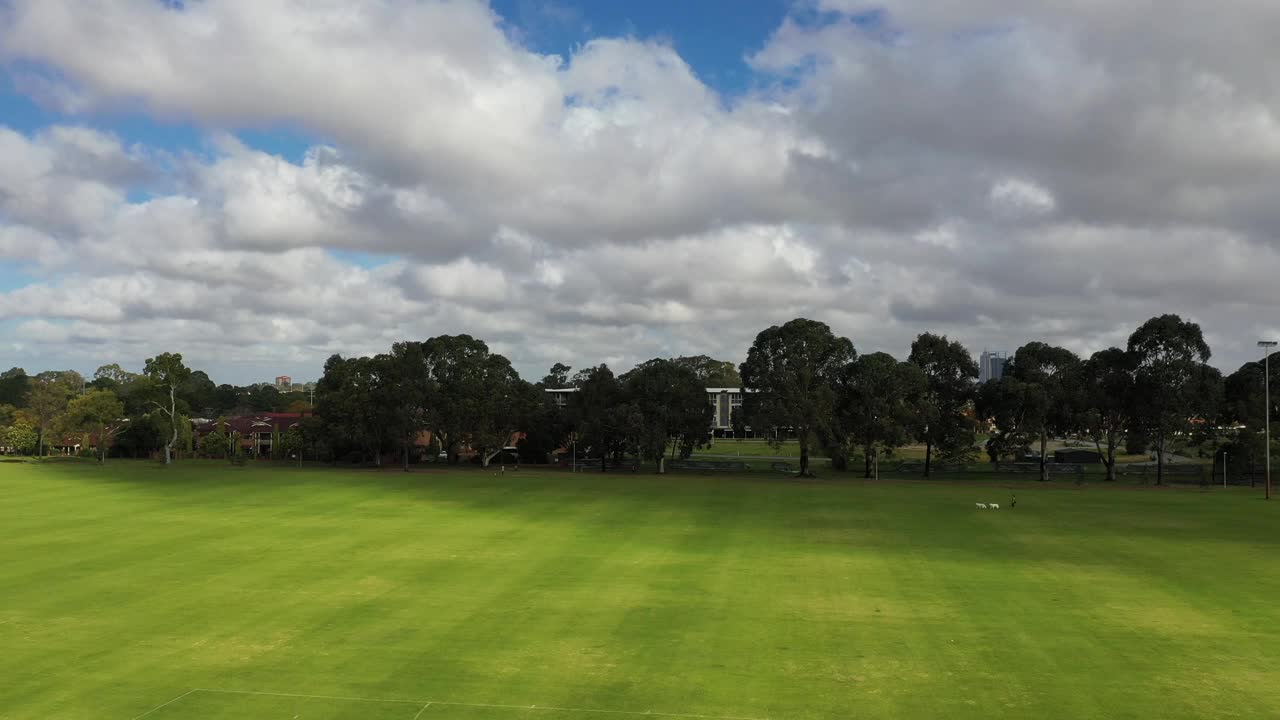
(1266,345)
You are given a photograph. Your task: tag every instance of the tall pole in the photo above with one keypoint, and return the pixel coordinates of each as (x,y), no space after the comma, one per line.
(1266,413)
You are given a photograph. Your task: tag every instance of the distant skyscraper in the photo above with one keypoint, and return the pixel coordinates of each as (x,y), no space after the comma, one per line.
(991,366)
(284,383)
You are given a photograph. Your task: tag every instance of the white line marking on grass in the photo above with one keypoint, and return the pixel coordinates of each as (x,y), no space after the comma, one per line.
(592,710)
(424,709)
(427,703)
(312,697)
(166,704)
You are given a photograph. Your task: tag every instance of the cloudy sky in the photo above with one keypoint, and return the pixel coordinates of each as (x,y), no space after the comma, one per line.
(259,185)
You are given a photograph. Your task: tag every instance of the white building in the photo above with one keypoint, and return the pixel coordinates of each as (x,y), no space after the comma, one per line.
(723,402)
(560,396)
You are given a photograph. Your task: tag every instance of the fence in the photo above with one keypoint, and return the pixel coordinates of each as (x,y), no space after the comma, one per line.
(916,466)
(589,464)
(708,465)
(1147,472)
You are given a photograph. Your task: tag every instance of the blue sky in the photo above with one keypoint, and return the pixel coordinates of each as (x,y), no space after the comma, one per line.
(713,36)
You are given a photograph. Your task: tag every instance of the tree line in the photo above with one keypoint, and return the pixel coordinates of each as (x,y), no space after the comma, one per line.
(451,396)
(131,414)
(1156,391)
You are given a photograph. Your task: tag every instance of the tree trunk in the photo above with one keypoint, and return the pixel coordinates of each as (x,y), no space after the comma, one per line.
(406,455)
(1160,458)
(173,423)
(486,459)
(1044,444)
(804,455)
(1108,457)
(866,451)
(662,464)
(928,457)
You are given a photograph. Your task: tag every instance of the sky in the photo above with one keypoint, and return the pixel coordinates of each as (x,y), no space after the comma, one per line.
(261,185)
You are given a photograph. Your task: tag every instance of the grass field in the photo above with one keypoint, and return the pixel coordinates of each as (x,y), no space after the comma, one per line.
(753,447)
(136,591)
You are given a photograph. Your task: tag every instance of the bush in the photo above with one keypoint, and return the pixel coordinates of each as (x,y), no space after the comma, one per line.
(215,445)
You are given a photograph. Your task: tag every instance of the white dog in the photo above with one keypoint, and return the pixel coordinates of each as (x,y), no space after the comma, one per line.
(980,506)
(994,506)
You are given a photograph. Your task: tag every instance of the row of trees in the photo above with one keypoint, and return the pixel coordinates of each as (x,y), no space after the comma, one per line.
(1155,391)
(63,403)
(802,377)
(455,390)
(451,387)
(132,413)
(805,382)
(802,382)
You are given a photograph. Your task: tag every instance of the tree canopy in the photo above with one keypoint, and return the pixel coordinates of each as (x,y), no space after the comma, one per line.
(1105,385)
(99,412)
(791,371)
(711,372)
(671,402)
(878,405)
(1045,374)
(949,372)
(167,373)
(45,400)
(1170,388)
(14,385)
(601,427)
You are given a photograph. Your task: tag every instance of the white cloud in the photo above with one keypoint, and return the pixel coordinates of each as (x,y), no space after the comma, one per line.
(1017,197)
(1055,170)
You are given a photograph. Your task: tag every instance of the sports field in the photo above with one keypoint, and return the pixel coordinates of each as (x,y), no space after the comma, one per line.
(209,592)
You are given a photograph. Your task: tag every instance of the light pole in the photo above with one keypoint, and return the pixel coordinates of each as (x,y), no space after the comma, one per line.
(1224,469)
(1266,346)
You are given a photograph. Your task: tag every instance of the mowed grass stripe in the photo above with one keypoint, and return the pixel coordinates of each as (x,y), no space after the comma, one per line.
(742,596)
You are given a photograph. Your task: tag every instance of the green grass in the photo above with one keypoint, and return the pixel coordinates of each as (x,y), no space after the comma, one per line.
(123,588)
(752,447)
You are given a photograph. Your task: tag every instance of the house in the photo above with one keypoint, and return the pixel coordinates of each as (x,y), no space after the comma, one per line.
(254,432)
(69,444)
(75,443)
